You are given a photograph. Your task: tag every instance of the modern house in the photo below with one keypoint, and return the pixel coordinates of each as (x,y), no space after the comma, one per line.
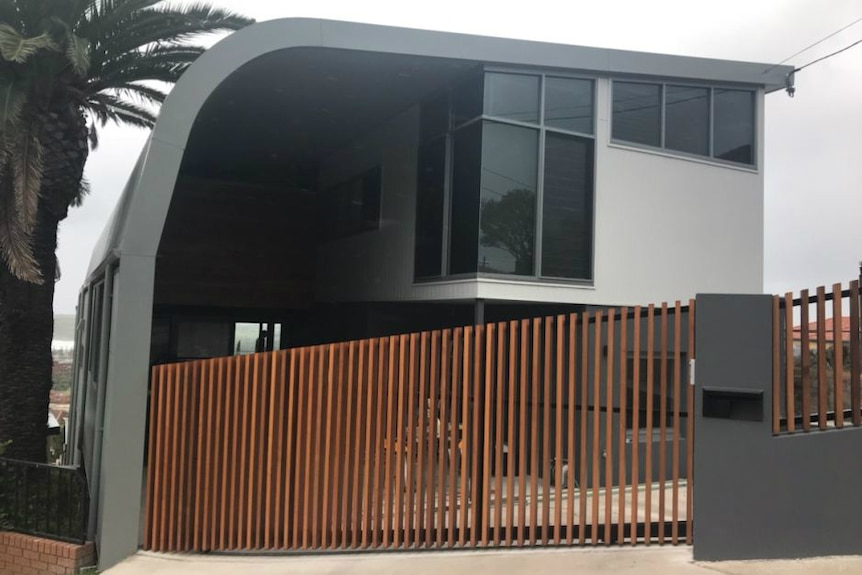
(313,181)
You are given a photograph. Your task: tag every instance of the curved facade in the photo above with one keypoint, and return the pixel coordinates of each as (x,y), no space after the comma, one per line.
(284,113)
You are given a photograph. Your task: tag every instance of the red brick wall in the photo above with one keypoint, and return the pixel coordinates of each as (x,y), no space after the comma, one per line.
(28,555)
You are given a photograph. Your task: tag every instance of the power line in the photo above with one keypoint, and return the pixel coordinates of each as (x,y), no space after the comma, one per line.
(856,21)
(844,49)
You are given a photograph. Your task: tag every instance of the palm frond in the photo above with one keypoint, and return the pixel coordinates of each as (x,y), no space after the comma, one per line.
(13,97)
(16,243)
(172,25)
(5,149)
(16,48)
(93,135)
(78,53)
(83,192)
(143,94)
(107,107)
(160,63)
(27,169)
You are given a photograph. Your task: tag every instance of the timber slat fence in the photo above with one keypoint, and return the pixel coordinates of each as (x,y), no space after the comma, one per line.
(816,360)
(571,429)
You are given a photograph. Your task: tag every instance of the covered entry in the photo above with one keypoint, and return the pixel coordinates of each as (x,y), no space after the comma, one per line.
(568,429)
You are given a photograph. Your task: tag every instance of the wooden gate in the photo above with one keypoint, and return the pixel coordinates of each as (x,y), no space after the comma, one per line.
(562,430)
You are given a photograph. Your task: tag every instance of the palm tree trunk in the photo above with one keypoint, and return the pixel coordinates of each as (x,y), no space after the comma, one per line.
(26,309)
(26,330)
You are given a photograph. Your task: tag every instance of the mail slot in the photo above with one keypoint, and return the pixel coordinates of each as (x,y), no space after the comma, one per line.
(729,403)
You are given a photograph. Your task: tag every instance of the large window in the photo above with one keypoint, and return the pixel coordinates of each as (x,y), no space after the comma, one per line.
(514,195)
(696,120)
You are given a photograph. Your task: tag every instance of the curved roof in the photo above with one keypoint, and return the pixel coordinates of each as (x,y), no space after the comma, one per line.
(136,224)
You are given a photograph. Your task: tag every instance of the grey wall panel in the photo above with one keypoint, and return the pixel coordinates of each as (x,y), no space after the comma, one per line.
(758,496)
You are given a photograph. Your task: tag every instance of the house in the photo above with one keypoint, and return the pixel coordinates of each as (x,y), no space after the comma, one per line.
(313,181)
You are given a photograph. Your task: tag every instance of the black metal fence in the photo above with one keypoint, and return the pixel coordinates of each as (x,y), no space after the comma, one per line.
(43,500)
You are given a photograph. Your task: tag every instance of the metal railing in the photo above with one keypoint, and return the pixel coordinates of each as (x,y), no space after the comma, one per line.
(44,500)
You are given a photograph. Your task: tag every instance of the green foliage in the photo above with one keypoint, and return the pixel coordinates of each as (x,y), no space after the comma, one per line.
(508,222)
(98,57)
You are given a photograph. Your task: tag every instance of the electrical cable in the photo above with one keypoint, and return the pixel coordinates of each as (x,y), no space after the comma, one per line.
(814,44)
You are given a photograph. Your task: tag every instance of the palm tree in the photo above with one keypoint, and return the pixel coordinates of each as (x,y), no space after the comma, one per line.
(67,66)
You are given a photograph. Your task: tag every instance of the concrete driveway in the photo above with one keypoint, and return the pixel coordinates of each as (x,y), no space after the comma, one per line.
(625,561)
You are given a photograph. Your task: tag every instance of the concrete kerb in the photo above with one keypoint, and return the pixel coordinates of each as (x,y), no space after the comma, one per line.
(584,561)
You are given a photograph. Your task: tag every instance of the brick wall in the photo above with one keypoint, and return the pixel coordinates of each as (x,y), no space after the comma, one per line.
(28,555)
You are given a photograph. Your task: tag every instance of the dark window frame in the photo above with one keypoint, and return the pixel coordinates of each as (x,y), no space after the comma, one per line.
(338,197)
(710,157)
(542,127)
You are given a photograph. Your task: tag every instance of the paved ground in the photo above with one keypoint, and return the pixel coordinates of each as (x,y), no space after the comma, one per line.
(634,561)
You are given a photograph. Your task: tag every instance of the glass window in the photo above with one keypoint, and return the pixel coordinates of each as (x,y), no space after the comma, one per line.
(567,218)
(687,119)
(508,199)
(429,209)
(637,113)
(464,224)
(512,96)
(569,104)
(733,139)
(467,99)
(353,206)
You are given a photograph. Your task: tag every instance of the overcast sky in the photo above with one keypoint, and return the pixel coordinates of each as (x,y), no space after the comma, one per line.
(813,147)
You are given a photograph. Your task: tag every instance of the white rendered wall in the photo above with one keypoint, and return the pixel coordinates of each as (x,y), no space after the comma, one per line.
(666,227)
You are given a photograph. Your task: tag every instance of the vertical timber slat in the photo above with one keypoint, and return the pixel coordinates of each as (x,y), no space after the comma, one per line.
(548,348)
(776,367)
(648,413)
(805,346)
(595,500)
(855,399)
(838,355)
(570,429)
(522,434)
(621,440)
(790,402)
(608,454)
(662,445)
(636,376)
(677,369)
(498,435)
(822,386)
(511,427)
(585,355)
(534,431)
(487,439)
(558,441)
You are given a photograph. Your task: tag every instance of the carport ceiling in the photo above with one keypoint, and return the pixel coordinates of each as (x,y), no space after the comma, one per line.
(273,118)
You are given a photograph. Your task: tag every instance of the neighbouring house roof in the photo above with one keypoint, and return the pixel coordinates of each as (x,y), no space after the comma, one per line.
(829,326)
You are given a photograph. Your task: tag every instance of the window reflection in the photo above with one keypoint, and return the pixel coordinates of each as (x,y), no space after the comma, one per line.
(512,96)
(637,113)
(569,104)
(567,205)
(734,126)
(508,199)
(687,119)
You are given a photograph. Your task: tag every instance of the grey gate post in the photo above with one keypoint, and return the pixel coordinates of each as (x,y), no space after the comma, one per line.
(757,495)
